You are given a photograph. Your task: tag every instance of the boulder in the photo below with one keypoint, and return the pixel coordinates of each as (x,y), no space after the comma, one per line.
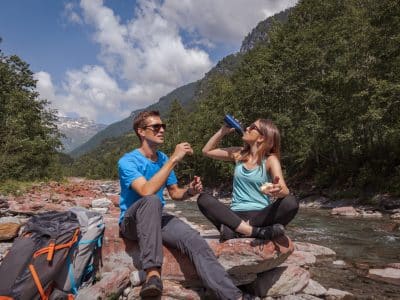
(300,258)
(280,281)
(298,297)
(317,250)
(9,231)
(101,203)
(314,288)
(172,290)
(334,294)
(241,258)
(389,275)
(348,211)
(111,284)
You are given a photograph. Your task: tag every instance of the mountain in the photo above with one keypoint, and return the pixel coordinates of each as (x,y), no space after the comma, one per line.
(260,33)
(77,131)
(183,94)
(187,94)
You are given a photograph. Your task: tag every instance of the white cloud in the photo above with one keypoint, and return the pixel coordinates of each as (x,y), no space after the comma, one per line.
(220,21)
(71,14)
(148,54)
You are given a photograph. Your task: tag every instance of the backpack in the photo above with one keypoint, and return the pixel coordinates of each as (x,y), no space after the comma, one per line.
(38,255)
(84,257)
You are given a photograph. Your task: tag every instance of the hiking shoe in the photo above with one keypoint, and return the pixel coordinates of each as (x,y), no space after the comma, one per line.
(227,234)
(271,232)
(152,287)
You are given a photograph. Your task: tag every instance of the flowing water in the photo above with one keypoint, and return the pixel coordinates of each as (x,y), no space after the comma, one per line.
(360,242)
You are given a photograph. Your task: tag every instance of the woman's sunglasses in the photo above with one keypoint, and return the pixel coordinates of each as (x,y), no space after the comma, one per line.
(156,127)
(254,126)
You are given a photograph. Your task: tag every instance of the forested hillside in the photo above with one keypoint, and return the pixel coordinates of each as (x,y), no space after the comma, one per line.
(329,77)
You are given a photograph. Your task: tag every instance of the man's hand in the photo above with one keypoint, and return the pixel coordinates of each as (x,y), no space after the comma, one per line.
(195,187)
(180,151)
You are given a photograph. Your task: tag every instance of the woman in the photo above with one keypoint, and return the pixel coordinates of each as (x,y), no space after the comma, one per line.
(252,212)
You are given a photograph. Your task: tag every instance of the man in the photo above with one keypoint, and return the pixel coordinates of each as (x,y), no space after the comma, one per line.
(144,173)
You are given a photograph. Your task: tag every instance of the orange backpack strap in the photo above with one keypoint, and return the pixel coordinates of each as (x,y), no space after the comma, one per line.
(36,279)
(6,298)
(53,247)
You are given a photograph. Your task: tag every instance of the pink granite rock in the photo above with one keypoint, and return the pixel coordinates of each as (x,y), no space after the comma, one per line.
(348,211)
(242,258)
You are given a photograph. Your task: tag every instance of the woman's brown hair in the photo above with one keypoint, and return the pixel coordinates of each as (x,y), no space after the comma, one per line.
(272,144)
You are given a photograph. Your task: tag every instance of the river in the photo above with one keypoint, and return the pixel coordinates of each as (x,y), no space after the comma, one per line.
(361,243)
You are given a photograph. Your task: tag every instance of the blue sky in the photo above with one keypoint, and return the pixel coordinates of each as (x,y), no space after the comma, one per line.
(101,59)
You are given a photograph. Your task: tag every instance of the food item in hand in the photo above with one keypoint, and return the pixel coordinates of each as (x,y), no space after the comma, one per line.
(266,187)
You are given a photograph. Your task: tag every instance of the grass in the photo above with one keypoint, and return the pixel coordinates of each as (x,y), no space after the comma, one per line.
(14,187)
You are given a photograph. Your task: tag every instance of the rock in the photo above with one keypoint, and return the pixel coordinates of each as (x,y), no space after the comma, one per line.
(9,231)
(394,265)
(169,206)
(388,202)
(101,203)
(102,210)
(339,263)
(137,277)
(317,250)
(348,211)
(314,201)
(4,247)
(395,216)
(280,281)
(10,220)
(314,288)
(298,297)
(334,294)
(300,258)
(172,290)
(242,258)
(111,284)
(371,214)
(389,275)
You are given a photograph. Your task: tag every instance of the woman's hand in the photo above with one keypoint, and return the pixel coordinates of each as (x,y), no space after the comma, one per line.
(272,188)
(225,129)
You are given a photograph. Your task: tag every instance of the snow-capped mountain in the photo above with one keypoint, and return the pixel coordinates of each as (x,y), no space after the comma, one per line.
(77,131)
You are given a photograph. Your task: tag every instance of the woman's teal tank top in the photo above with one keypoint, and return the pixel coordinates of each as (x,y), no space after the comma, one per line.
(246,193)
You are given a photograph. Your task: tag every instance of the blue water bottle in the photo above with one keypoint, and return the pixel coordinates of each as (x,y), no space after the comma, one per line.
(232,123)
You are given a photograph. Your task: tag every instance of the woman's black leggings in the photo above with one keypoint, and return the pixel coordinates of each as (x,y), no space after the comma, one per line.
(282,211)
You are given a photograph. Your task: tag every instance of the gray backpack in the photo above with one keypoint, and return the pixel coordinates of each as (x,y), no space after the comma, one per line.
(83,259)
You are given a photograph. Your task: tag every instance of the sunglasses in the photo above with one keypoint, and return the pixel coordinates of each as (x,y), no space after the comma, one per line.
(254,126)
(155,127)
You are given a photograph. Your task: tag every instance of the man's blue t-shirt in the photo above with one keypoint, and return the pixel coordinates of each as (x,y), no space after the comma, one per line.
(133,165)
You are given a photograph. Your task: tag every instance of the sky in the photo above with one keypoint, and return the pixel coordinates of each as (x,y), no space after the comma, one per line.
(103,59)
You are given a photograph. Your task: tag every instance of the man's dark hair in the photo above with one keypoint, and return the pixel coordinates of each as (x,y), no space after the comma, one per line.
(140,120)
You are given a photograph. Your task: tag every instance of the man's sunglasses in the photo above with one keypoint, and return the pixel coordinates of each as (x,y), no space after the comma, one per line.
(156,127)
(254,126)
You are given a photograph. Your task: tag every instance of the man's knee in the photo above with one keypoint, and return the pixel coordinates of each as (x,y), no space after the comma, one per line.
(151,203)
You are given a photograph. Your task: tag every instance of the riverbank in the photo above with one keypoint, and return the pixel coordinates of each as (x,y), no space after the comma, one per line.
(362,244)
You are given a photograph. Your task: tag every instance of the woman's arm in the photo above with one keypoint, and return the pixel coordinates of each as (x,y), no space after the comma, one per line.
(211,151)
(274,168)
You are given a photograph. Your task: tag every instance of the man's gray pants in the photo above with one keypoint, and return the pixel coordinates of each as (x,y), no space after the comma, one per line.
(145,222)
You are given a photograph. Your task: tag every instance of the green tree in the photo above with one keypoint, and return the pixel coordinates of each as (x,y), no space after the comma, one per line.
(29,137)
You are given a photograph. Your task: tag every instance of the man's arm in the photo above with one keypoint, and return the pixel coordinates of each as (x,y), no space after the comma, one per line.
(149,187)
